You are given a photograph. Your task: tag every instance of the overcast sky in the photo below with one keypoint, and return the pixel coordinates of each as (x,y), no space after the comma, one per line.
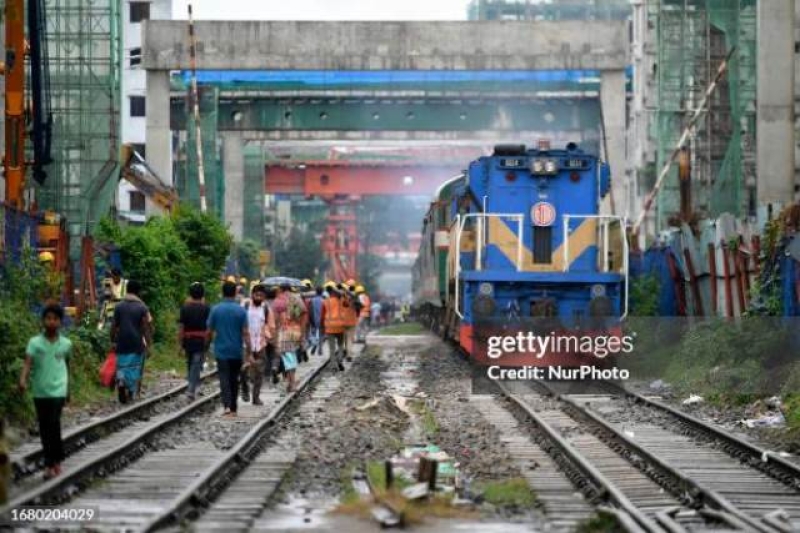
(324,9)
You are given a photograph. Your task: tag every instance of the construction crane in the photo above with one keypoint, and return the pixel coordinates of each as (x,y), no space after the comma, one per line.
(37,117)
(138,173)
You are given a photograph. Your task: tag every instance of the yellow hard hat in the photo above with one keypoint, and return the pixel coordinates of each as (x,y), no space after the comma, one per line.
(350,282)
(360,289)
(330,285)
(243,281)
(46,257)
(308,283)
(231,279)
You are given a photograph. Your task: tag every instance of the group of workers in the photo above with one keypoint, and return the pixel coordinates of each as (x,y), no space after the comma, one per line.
(264,334)
(278,327)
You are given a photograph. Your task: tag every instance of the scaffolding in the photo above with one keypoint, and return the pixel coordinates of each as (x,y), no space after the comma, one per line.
(84,51)
(692,39)
(558,10)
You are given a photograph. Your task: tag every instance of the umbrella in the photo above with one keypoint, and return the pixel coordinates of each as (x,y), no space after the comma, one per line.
(277,281)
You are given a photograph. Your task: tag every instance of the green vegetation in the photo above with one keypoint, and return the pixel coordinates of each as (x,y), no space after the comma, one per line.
(602,523)
(20,287)
(376,472)
(408,328)
(246,255)
(429,423)
(514,492)
(728,362)
(644,295)
(299,255)
(165,255)
(349,494)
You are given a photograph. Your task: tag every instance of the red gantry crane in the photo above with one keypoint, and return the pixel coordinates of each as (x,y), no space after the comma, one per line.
(342,184)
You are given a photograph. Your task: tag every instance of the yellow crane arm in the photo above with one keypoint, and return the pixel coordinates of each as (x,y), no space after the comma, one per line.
(135,171)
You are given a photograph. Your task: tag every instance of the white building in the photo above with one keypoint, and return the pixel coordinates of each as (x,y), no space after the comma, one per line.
(131,203)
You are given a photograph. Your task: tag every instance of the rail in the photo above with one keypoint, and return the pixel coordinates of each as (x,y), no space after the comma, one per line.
(221,473)
(91,432)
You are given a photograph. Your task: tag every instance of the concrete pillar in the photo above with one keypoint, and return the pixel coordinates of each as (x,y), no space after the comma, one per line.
(158,140)
(775,112)
(613,101)
(233,172)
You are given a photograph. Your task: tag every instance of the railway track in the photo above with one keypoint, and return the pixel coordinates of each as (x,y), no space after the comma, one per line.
(27,460)
(661,468)
(135,485)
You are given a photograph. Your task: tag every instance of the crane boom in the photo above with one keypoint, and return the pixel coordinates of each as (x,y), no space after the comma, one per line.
(138,173)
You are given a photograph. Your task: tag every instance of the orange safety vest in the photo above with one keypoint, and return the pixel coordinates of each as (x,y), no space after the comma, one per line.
(366,303)
(334,316)
(349,312)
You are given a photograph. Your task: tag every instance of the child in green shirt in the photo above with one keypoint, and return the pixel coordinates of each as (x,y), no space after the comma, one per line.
(46,363)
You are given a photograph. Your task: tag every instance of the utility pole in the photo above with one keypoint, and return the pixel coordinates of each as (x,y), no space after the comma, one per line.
(201,177)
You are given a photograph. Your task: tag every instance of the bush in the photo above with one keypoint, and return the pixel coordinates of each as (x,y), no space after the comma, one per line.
(166,254)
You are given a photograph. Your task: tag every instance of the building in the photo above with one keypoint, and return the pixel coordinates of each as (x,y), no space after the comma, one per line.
(131,203)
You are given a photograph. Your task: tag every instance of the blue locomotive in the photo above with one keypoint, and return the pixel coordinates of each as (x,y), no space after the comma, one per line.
(518,242)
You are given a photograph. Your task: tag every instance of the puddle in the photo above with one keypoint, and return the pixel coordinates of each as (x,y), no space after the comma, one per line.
(298,513)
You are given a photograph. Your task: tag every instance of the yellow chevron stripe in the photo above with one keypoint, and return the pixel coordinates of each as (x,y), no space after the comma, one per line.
(584,236)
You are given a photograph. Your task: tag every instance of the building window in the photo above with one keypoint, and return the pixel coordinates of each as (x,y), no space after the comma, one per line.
(136,56)
(139,148)
(139,11)
(137,106)
(137,201)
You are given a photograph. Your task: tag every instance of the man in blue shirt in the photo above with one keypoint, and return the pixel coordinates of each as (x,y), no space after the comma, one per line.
(227,326)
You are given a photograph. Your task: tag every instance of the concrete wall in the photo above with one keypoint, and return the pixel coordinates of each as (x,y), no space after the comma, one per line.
(775,106)
(259,45)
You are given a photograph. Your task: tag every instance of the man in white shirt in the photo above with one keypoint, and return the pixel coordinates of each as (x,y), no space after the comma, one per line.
(261,325)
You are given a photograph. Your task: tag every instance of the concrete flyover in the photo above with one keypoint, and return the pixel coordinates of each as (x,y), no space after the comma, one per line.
(374,46)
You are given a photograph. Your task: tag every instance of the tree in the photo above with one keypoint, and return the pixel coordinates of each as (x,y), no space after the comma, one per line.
(207,240)
(246,255)
(300,255)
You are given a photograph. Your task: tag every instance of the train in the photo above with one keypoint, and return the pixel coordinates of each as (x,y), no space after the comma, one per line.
(517,243)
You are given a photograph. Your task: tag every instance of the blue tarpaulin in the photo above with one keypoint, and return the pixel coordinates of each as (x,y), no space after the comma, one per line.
(655,262)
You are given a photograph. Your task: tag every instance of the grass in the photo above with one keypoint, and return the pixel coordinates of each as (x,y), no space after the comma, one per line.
(165,357)
(376,472)
(429,423)
(514,492)
(412,512)
(600,524)
(350,496)
(408,328)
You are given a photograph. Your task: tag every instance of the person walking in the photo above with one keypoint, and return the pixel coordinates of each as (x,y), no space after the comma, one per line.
(333,324)
(290,316)
(131,334)
(227,332)
(350,317)
(192,335)
(273,367)
(260,324)
(363,314)
(315,322)
(47,365)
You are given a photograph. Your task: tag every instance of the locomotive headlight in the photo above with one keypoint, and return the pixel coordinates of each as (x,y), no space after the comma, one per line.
(485,288)
(550,166)
(537,167)
(598,290)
